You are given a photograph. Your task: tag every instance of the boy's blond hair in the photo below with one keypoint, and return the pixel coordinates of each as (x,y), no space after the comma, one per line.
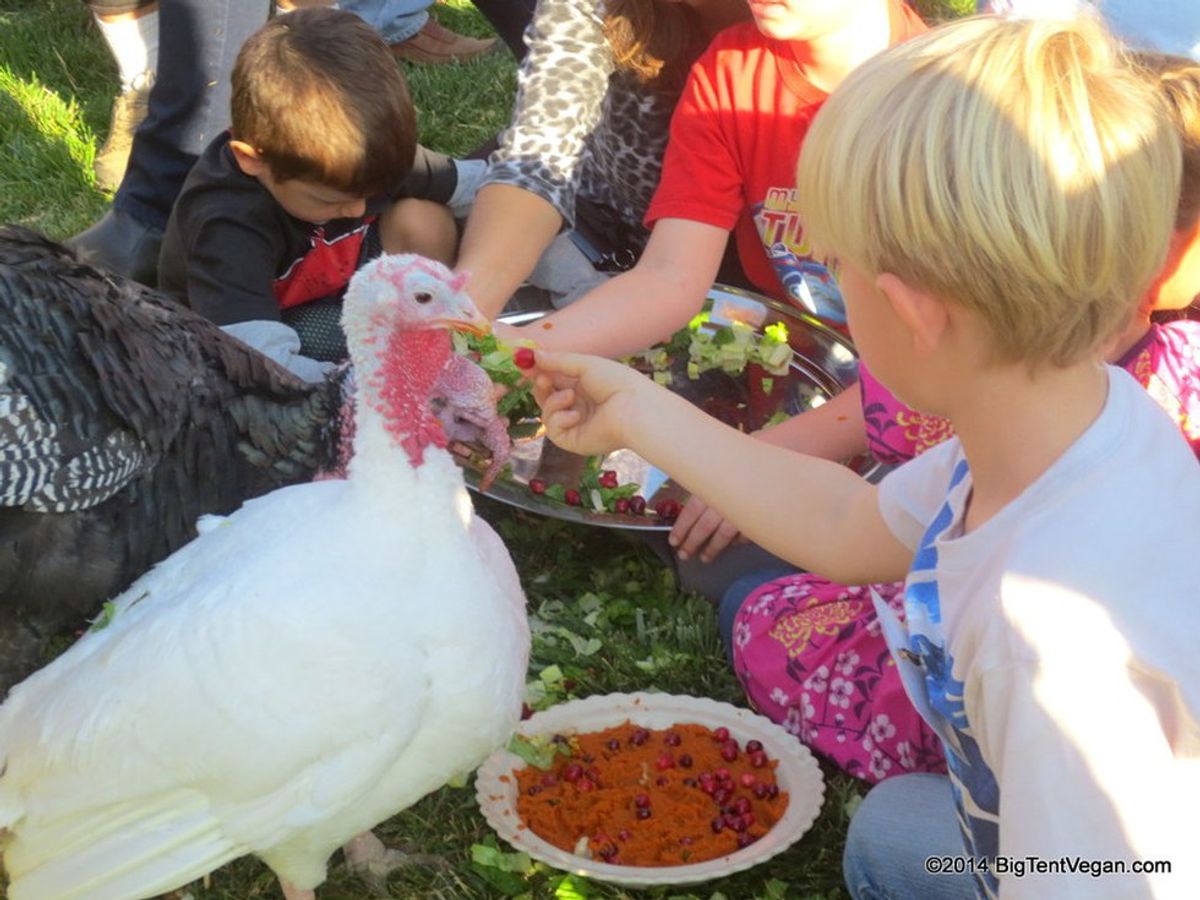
(1022,169)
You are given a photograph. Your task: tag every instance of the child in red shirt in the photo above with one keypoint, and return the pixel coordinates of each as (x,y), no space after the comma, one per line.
(730,166)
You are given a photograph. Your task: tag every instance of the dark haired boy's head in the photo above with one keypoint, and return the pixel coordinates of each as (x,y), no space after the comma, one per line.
(321,114)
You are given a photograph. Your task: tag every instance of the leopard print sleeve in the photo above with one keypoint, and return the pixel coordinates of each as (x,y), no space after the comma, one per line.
(560,92)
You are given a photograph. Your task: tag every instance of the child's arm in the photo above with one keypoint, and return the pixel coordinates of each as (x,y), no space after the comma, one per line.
(834,430)
(812,512)
(508,230)
(645,305)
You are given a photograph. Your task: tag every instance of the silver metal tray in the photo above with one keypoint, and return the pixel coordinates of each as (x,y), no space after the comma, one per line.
(823,364)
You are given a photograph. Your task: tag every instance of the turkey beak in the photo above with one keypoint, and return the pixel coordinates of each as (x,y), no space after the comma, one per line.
(469,320)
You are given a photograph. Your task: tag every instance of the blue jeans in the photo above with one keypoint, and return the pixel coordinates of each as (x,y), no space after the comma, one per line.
(902,822)
(395,20)
(189,103)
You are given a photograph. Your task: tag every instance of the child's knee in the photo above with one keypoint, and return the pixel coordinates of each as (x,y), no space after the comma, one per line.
(419,226)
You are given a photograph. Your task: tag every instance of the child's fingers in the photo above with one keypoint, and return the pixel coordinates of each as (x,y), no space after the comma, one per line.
(557,400)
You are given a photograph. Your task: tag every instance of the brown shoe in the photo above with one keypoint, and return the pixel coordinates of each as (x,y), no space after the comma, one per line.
(128,110)
(436,44)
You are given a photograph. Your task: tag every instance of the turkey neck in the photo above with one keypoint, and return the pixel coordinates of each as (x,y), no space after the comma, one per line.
(394,426)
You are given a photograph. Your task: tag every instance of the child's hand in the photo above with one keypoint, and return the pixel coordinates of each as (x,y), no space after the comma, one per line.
(586,400)
(702,530)
(511,335)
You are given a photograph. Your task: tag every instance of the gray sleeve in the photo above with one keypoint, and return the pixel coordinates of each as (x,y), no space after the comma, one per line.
(560,91)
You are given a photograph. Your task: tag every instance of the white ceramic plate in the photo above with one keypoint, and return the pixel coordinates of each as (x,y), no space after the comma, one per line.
(797,773)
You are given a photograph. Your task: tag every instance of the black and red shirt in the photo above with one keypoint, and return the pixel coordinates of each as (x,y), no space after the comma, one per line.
(233,254)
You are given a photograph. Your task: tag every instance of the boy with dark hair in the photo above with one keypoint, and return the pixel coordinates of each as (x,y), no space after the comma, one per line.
(320,172)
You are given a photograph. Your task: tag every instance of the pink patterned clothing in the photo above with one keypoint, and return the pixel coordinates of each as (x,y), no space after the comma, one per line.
(1166,362)
(811,657)
(809,652)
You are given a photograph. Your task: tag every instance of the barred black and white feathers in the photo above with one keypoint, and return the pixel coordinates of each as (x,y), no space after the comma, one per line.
(123,418)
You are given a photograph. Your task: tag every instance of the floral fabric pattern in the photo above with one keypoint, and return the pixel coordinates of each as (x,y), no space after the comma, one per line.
(1166,362)
(811,656)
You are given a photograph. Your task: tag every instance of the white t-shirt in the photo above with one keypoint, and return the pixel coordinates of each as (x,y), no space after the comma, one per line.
(1058,650)
(1168,26)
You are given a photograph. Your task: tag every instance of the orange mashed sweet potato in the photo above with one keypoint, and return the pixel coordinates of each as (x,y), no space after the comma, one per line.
(639,797)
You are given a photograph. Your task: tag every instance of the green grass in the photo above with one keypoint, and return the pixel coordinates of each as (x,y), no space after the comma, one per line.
(56,87)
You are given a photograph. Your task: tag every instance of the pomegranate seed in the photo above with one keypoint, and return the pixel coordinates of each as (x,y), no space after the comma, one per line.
(685,760)
(641,801)
(753,746)
(608,479)
(737,823)
(571,496)
(537,486)
(729,752)
(761,790)
(623,835)
(662,780)
(721,795)
(533,790)
(721,734)
(607,852)
(664,761)
(745,839)
(672,739)
(722,774)
(614,744)
(549,780)
(523,358)
(773,791)
(572,773)
(690,782)
(747,780)
(717,825)
(621,506)
(758,759)
(526,711)
(643,812)
(639,737)
(585,784)
(668,510)
(748,820)
(685,841)
(741,805)
(637,504)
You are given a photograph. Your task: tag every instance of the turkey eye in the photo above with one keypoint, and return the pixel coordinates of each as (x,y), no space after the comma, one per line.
(423,297)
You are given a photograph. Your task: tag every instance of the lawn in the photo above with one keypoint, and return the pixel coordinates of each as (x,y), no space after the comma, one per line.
(603,608)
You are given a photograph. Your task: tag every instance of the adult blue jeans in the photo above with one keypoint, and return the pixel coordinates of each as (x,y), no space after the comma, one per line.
(189,103)
(902,822)
(395,20)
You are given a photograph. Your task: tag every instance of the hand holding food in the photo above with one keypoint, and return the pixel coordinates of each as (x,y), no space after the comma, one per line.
(587,401)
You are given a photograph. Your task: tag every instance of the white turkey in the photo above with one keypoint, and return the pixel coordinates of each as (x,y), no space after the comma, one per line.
(124,417)
(304,669)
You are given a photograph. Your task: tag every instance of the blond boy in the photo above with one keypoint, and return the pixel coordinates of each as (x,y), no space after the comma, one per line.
(995,196)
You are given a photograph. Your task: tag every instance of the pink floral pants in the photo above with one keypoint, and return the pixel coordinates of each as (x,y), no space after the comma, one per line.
(811,656)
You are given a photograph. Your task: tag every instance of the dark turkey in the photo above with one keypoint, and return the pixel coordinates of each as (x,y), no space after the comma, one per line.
(123,418)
